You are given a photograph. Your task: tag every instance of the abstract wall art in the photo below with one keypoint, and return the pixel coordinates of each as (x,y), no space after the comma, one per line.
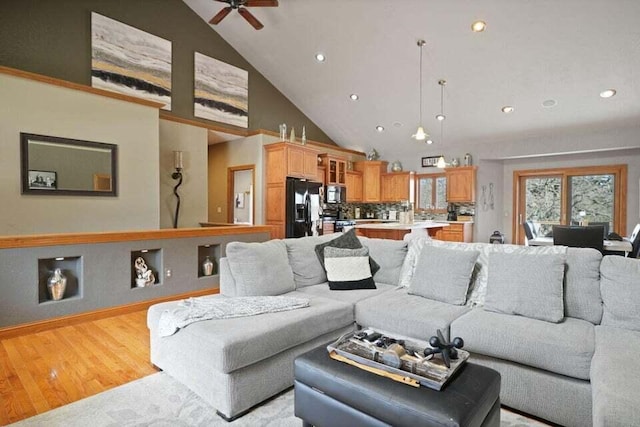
(127,60)
(221,92)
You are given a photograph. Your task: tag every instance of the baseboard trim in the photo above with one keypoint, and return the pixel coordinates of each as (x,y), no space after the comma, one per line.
(43,325)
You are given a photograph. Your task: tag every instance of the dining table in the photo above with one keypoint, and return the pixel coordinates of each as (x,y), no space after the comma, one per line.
(623,245)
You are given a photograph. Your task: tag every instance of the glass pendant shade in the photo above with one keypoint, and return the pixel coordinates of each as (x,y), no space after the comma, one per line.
(441,163)
(420,134)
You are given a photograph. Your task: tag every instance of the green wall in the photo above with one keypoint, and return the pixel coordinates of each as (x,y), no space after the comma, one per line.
(54,38)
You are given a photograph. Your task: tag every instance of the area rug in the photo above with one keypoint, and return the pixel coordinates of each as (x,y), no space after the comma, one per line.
(160,401)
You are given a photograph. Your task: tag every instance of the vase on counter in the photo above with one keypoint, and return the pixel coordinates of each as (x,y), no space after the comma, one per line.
(207,267)
(56,285)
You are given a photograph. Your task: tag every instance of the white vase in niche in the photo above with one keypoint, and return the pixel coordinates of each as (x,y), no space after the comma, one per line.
(207,267)
(56,285)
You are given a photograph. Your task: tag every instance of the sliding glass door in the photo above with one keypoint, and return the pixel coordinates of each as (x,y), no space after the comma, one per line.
(570,196)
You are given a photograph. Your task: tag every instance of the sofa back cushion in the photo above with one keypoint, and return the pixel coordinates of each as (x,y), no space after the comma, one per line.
(389,255)
(620,286)
(443,274)
(307,269)
(260,268)
(529,285)
(582,298)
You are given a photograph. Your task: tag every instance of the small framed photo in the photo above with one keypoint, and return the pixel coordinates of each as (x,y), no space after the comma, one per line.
(430,162)
(43,180)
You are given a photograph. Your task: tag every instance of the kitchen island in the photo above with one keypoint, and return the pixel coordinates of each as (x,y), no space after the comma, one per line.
(397,231)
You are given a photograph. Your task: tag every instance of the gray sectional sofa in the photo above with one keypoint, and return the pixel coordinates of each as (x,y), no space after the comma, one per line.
(561,325)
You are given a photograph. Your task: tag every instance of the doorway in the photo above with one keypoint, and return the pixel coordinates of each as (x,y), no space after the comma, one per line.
(241,194)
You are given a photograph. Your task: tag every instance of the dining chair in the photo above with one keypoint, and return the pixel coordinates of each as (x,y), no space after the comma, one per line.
(528,231)
(591,236)
(635,242)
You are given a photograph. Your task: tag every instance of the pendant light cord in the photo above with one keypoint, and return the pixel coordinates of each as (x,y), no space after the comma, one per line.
(421,44)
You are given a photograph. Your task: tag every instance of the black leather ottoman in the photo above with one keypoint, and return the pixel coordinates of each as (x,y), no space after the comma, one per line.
(332,393)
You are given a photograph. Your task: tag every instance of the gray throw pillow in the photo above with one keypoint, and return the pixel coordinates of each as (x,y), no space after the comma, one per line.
(620,286)
(443,274)
(389,255)
(347,240)
(528,285)
(348,269)
(260,268)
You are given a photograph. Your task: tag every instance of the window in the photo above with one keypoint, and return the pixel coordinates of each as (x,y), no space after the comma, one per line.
(570,196)
(431,190)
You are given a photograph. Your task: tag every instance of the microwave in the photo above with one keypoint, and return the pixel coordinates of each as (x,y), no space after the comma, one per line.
(335,194)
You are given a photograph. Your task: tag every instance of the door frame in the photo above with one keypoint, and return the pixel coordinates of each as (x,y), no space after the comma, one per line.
(231,170)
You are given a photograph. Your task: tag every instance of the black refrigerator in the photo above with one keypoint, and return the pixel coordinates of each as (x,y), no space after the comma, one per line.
(303,206)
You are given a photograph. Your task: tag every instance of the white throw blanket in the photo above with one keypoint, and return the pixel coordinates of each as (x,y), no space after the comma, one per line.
(218,307)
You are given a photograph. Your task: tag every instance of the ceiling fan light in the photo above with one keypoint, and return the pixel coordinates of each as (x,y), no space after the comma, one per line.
(441,163)
(420,134)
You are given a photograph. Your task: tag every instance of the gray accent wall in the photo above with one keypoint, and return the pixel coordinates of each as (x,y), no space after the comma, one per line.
(54,38)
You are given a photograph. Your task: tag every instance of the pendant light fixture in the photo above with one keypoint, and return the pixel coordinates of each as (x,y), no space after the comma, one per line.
(441,117)
(420,134)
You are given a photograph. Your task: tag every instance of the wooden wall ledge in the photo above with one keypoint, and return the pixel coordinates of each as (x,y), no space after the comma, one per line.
(35,240)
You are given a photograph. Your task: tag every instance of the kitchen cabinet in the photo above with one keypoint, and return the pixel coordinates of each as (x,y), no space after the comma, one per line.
(354,186)
(284,159)
(321,175)
(461,184)
(335,169)
(397,186)
(372,171)
(456,232)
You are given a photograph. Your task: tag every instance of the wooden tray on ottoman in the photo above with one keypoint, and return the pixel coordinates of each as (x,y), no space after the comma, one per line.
(407,366)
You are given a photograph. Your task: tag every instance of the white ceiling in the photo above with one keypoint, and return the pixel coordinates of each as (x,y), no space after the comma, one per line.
(531,51)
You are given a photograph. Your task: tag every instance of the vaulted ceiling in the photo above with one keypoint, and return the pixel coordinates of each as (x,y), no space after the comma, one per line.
(562,52)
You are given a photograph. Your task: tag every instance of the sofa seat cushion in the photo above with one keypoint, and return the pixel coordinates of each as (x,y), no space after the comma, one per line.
(615,381)
(231,344)
(351,297)
(564,348)
(413,316)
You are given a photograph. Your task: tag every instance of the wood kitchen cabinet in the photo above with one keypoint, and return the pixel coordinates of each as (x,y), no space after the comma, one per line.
(397,186)
(372,171)
(335,169)
(461,184)
(354,186)
(456,232)
(285,159)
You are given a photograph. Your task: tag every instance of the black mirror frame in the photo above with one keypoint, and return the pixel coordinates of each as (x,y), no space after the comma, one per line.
(24,161)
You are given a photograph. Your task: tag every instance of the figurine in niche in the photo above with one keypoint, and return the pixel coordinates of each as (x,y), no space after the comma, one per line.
(144,275)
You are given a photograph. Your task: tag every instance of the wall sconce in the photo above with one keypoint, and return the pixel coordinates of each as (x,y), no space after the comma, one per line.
(177,164)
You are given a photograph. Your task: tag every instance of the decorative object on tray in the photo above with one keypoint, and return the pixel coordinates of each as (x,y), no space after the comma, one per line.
(447,349)
(401,360)
(56,285)
(144,275)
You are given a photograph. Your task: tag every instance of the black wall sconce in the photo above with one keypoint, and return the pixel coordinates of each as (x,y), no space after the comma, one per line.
(177,163)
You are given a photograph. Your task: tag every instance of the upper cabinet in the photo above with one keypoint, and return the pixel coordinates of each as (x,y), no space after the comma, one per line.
(431,192)
(284,159)
(372,171)
(354,186)
(461,184)
(335,169)
(397,186)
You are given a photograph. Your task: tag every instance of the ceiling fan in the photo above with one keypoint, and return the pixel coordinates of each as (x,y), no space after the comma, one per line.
(240,6)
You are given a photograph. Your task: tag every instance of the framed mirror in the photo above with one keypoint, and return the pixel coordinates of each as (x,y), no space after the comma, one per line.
(60,166)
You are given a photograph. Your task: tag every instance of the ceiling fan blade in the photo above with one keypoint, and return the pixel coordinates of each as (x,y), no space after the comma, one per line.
(223,1)
(220,15)
(261,3)
(250,18)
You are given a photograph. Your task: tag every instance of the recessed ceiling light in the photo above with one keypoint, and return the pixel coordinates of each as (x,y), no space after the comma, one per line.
(320,57)
(548,103)
(380,128)
(397,124)
(354,97)
(607,93)
(440,117)
(507,109)
(478,26)
(429,141)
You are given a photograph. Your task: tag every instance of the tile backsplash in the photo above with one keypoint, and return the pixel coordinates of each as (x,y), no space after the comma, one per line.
(381,210)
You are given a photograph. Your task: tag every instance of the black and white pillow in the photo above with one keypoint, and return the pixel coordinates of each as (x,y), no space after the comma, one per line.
(347,240)
(348,269)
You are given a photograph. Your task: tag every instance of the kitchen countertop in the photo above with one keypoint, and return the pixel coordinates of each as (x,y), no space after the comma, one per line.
(398,226)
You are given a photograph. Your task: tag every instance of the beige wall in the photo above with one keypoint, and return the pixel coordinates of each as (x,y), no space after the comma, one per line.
(243,151)
(34,107)
(192,141)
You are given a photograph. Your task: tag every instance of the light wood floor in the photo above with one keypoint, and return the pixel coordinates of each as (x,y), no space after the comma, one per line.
(48,369)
